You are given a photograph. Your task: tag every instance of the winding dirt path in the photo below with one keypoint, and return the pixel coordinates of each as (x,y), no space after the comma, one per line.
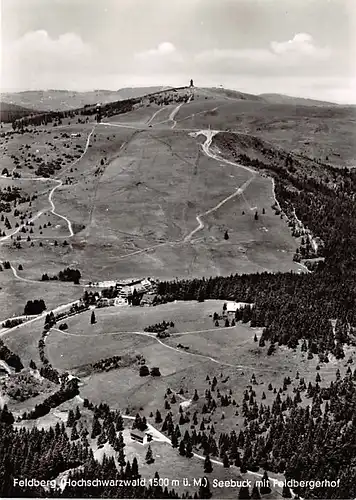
(180,351)
(209,134)
(51,194)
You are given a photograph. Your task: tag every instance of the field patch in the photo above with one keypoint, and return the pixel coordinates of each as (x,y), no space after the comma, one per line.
(67,351)
(15,293)
(187,316)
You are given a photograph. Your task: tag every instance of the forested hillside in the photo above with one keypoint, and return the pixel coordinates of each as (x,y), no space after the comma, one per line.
(295,308)
(11,112)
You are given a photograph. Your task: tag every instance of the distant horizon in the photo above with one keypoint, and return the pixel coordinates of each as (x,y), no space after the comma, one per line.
(298,48)
(138,86)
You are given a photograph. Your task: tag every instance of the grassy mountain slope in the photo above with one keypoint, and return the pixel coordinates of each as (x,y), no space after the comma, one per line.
(61,100)
(297,101)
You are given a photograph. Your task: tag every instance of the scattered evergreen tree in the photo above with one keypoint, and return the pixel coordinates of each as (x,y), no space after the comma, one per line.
(149,455)
(286,493)
(255,494)
(265,487)
(244,493)
(208,466)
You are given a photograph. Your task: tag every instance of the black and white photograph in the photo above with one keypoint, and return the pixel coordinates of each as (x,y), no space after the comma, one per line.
(178,249)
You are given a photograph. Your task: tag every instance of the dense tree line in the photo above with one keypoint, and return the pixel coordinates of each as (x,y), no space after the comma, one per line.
(47,371)
(66,392)
(34,307)
(9,357)
(160,328)
(106,110)
(70,275)
(115,362)
(10,323)
(107,364)
(290,307)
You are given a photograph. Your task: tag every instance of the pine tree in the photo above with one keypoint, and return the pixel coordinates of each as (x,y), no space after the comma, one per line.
(111,433)
(121,457)
(93,318)
(74,434)
(286,493)
(243,468)
(134,469)
(265,488)
(244,493)
(189,449)
(174,440)
(226,461)
(128,471)
(149,455)
(255,494)
(208,466)
(182,448)
(102,439)
(201,295)
(96,428)
(204,489)
(33,365)
(77,413)
(119,422)
(71,418)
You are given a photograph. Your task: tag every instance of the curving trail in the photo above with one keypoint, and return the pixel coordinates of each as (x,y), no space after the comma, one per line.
(209,134)
(41,212)
(21,278)
(53,209)
(174,113)
(40,282)
(180,351)
(154,116)
(50,196)
(81,156)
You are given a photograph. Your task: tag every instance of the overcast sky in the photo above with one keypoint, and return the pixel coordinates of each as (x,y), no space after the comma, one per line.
(297,47)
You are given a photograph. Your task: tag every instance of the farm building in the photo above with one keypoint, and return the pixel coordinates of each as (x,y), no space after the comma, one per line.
(231,307)
(120,301)
(103,302)
(140,437)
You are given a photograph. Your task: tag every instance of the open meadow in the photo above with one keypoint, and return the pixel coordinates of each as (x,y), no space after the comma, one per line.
(15,292)
(194,349)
